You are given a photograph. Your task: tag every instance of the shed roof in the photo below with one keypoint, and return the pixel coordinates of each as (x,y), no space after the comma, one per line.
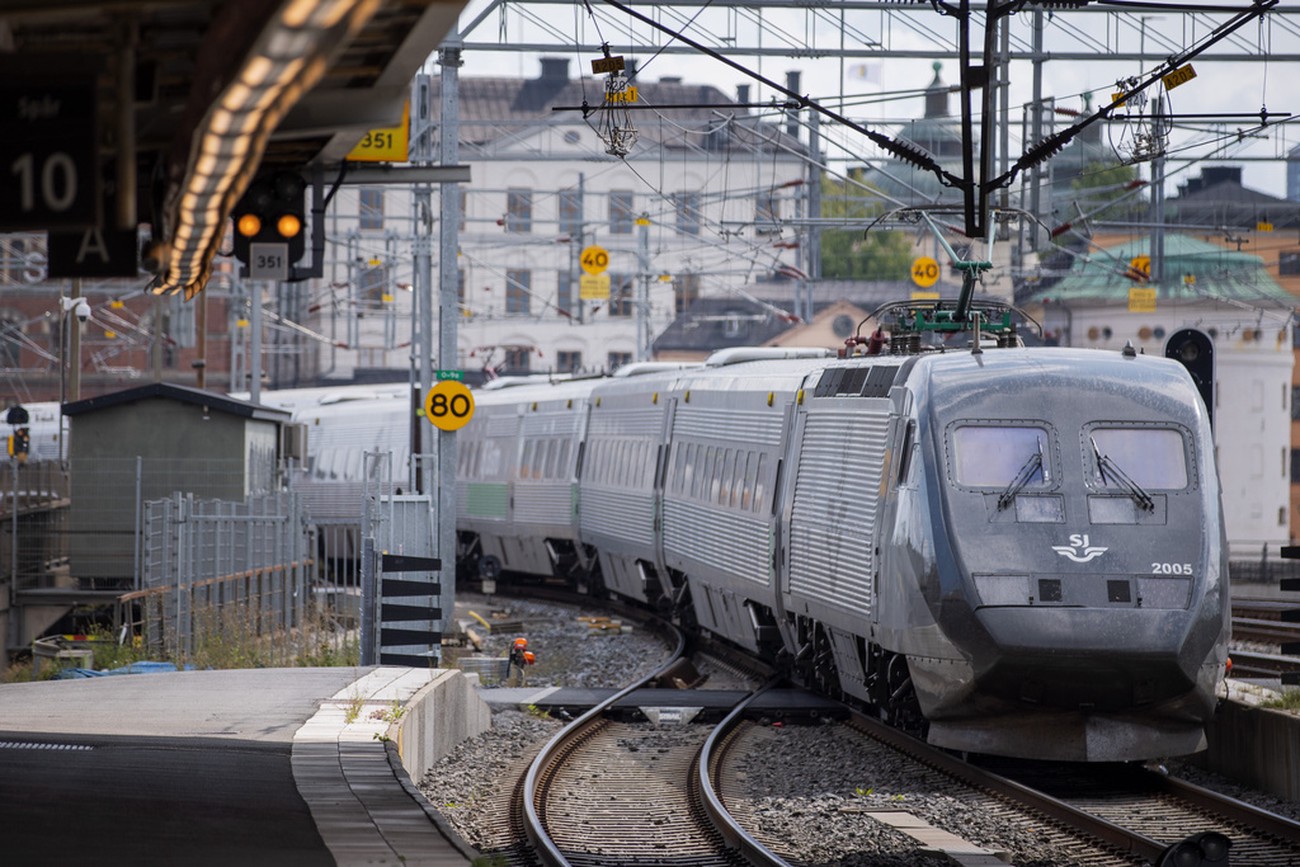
(181,394)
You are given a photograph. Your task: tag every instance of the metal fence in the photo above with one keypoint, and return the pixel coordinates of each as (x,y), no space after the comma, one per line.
(33,517)
(227,579)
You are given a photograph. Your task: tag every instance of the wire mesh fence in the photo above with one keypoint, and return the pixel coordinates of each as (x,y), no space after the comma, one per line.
(227,578)
(33,518)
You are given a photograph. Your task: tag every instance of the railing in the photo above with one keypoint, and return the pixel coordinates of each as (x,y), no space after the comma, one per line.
(227,583)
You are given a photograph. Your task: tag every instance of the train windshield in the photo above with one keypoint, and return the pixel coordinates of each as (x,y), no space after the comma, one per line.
(997,456)
(1154,458)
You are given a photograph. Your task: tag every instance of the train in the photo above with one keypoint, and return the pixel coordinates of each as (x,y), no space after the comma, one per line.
(1010,550)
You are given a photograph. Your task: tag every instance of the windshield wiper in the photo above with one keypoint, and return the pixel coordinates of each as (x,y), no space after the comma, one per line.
(1031,466)
(1104,463)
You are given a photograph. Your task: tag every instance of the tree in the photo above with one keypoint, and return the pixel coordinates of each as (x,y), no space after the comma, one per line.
(1105,191)
(849,253)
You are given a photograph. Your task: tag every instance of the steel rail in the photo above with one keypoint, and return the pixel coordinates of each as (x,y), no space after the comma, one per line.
(711,756)
(534,824)
(1107,832)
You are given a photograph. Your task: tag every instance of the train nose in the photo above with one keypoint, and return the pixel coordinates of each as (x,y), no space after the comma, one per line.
(1071,658)
(1086,683)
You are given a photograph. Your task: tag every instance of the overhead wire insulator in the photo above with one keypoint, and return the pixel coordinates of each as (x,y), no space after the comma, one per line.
(615,128)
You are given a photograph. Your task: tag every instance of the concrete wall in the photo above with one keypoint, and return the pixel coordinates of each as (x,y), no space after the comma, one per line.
(1257,747)
(444,712)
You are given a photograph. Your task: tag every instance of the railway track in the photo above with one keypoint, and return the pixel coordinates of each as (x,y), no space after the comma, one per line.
(1260,622)
(1110,815)
(614,790)
(634,793)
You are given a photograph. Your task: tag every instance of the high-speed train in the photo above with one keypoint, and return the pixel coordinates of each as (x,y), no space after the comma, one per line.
(1018,551)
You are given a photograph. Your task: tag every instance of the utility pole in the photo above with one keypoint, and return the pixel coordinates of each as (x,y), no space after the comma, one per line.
(422,278)
(449,278)
(813,266)
(643,289)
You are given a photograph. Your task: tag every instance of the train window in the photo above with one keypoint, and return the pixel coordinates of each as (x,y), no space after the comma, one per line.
(729,481)
(491,465)
(701,483)
(760,484)
(526,459)
(747,483)
(562,462)
(1152,457)
(552,452)
(688,469)
(994,456)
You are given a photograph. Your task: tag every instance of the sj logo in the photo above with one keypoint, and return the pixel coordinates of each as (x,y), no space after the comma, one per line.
(1080,549)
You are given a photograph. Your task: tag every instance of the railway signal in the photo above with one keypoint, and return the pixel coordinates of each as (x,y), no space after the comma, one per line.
(1194,350)
(19,444)
(272,211)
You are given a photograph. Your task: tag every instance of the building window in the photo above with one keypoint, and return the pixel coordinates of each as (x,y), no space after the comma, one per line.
(372,208)
(519,286)
(571,212)
(688,212)
(516,360)
(11,341)
(686,289)
(767,211)
(1295,466)
(373,283)
(621,219)
(13,259)
(519,211)
(615,360)
(564,291)
(1288,262)
(568,361)
(621,288)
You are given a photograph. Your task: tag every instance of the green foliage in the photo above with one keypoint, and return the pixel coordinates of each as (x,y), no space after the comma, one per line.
(390,714)
(1102,183)
(354,709)
(1288,700)
(848,253)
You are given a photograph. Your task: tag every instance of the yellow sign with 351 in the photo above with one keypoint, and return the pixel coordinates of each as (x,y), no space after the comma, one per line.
(386,144)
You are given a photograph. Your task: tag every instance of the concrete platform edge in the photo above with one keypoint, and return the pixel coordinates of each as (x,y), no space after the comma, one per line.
(1257,746)
(342,755)
(439,820)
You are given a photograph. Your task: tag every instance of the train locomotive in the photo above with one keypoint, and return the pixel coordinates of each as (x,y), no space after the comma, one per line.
(1015,551)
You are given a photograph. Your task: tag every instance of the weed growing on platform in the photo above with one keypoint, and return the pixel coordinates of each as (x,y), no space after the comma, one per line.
(1288,700)
(354,709)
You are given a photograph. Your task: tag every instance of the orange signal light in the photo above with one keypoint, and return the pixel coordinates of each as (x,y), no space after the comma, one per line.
(249,225)
(289,225)
(521,642)
(1227,668)
(529,657)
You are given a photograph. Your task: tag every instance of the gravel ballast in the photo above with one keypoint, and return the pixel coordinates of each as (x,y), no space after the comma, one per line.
(807,788)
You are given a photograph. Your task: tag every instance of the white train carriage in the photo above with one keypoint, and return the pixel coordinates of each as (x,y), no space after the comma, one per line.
(729,428)
(516,477)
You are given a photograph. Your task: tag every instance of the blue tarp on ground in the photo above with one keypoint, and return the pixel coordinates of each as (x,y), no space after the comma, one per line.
(133,668)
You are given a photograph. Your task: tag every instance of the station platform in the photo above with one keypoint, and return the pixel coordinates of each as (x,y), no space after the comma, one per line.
(253,767)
